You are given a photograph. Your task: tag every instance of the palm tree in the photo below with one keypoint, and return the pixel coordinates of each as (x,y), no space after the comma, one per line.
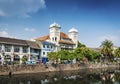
(107,49)
(117,52)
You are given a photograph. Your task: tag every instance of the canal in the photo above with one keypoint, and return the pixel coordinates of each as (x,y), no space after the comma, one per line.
(84,76)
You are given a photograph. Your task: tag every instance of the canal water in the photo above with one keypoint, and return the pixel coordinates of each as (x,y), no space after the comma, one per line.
(85,76)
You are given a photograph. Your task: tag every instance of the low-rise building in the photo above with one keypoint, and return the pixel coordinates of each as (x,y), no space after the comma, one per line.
(46,47)
(12,49)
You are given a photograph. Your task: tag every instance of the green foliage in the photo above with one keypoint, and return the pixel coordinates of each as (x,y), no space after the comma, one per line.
(80,44)
(52,56)
(79,53)
(107,49)
(86,52)
(23,60)
(117,52)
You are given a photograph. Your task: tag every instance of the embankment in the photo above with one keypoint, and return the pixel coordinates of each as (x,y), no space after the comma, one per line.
(22,69)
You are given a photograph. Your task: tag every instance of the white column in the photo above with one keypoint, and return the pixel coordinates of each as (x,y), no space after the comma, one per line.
(21,58)
(3,51)
(28,53)
(12,55)
(21,54)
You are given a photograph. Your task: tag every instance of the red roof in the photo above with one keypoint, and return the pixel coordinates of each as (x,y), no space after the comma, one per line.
(43,38)
(66,42)
(63,35)
(64,38)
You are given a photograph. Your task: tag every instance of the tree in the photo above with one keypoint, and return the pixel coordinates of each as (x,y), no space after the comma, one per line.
(107,49)
(52,56)
(23,60)
(84,52)
(80,44)
(63,54)
(117,52)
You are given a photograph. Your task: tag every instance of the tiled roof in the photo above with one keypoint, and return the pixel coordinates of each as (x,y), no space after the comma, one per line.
(13,41)
(33,44)
(66,42)
(43,38)
(65,39)
(63,35)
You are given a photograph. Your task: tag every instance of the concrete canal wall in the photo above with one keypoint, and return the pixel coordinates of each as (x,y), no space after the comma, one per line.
(22,69)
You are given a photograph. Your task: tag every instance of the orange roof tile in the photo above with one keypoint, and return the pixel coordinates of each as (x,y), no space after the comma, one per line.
(43,38)
(63,35)
(64,38)
(66,42)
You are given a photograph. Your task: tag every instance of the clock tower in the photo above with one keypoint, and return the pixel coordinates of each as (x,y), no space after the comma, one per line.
(55,33)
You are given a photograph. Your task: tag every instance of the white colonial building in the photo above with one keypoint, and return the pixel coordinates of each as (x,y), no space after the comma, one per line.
(13,50)
(60,39)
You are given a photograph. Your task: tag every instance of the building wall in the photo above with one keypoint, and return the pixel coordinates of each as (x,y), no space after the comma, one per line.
(46,48)
(54,35)
(4,54)
(74,37)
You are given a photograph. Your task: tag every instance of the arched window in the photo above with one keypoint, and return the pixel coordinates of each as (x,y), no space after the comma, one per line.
(55,38)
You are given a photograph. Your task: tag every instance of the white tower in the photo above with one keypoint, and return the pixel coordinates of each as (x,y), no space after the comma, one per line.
(73,34)
(55,33)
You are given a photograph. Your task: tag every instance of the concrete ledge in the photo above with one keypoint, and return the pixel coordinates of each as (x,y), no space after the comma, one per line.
(22,69)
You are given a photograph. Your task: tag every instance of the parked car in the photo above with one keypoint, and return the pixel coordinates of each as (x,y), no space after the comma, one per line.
(30,62)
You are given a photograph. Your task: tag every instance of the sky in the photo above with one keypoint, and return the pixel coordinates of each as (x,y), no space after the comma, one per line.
(95,20)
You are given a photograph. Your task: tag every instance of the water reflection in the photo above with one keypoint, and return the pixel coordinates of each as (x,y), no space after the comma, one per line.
(69,77)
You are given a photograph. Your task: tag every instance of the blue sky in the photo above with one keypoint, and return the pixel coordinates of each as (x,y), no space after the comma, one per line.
(96,20)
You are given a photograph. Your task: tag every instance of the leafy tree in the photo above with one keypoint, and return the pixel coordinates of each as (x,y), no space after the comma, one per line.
(117,52)
(23,60)
(80,44)
(107,49)
(63,54)
(52,56)
(84,52)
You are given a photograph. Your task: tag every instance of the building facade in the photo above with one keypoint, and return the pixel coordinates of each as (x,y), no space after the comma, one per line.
(61,40)
(13,50)
(45,48)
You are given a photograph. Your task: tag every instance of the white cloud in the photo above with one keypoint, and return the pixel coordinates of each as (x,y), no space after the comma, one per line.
(29,29)
(4,34)
(20,7)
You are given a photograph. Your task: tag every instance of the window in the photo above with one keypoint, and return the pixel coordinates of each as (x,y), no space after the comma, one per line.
(43,53)
(51,46)
(52,38)
(16,48)
(55,38)
(47,46)
(7,48)
(25,49)
(43,46)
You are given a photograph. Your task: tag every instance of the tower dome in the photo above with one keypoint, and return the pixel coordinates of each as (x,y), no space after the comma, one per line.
(54,25)
(73,30)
